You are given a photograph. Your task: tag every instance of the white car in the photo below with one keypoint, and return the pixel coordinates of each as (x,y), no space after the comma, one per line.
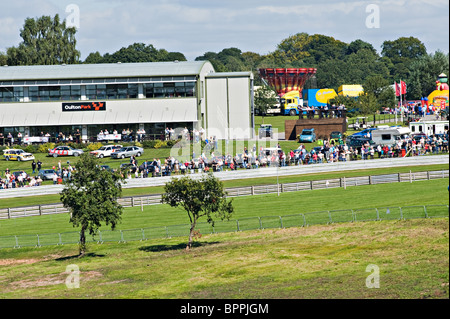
(106,150)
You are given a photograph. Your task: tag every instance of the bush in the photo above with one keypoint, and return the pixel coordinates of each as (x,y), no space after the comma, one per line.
(160,144)
(31,148)
(94,146)
(43,148)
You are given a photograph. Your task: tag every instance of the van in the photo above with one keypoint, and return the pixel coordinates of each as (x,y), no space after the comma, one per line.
(390,136)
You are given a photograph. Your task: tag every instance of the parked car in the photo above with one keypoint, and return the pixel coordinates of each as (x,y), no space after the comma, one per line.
(365,132)
(307,135)
(106,150)
(46,174)
(17,155)
(357,142)
(265,130)
(64,151)
(128,151)
(336,135)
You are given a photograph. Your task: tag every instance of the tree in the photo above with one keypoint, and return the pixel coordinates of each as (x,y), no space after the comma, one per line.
(424,72)
(91,197)
(46,41)
(199,198)
(402,52)
(264,98)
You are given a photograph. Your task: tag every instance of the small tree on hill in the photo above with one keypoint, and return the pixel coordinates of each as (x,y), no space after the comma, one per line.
(91,197)
(204,197)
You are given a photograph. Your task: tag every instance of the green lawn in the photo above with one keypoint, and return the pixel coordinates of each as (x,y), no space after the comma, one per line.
(316,262)
(393,195)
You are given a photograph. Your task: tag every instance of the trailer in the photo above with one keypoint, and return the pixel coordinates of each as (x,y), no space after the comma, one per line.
(390,135)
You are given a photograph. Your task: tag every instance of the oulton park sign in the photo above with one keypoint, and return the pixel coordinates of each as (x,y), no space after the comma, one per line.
(85,106)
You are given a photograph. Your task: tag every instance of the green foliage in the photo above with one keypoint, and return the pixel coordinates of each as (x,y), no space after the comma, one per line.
(136,52)
(91,196)
(43,148)
(205,197)
(94,146)
(264,98)
(46,41)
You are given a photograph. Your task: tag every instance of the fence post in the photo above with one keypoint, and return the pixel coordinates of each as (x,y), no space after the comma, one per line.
(253,190)
(9,213)
(410,176)
(40,210)
(370,180)
(60,240)
(329,216)
(311,185)
(143,234)
(399,177)
(428,175)
(425,210)
(281,221)
(38,243)
(304,220)
(378,214)
(237,224)
(260,223)
(401,213)
(17,242)
(100,240)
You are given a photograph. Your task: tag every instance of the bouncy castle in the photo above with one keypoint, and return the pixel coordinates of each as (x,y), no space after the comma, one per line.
(439,98)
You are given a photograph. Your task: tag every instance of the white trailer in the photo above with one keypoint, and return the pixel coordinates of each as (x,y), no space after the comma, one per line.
(429,127)
(390,135)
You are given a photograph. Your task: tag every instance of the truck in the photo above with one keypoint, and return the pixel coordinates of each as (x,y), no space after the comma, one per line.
(318,97)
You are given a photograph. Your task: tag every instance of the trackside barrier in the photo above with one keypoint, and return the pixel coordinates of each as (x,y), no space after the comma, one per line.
(147,200)
(251,223)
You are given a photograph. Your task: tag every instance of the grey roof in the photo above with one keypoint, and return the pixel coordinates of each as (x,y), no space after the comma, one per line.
(104,70)
(229,74)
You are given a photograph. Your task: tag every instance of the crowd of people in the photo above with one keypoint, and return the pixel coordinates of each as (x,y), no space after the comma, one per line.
(249,158)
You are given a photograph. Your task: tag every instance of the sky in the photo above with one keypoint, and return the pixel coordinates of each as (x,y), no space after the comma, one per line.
(194,27)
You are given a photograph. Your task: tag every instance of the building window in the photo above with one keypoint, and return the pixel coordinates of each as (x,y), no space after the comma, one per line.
(11,94)
(54,93)
(169,89)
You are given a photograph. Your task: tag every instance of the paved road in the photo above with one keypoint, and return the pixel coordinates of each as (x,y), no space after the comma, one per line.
(254,173)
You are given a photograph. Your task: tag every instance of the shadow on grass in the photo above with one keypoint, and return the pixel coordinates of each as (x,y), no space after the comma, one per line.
(78,256)
(181,246)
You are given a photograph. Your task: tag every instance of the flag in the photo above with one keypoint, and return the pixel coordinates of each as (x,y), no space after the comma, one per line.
(397,89)
(402,87)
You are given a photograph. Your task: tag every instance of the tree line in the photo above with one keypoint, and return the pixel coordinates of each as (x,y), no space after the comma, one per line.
(48,41)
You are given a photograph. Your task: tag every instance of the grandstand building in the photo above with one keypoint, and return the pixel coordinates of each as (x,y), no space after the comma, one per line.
(134,96)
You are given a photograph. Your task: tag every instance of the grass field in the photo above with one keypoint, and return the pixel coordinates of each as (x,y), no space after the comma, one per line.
(316,262)
(397,194)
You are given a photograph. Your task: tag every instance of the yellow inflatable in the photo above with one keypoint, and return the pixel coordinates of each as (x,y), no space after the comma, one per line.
(438,99)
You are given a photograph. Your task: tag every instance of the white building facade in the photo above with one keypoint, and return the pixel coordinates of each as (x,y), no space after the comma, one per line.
(150,96)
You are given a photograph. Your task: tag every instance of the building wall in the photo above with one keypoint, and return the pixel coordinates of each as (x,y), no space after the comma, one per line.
(117,111)
(228,106)
(323,127)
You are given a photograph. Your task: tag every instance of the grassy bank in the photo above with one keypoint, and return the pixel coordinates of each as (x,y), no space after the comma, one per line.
(371,196)
(315,262)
